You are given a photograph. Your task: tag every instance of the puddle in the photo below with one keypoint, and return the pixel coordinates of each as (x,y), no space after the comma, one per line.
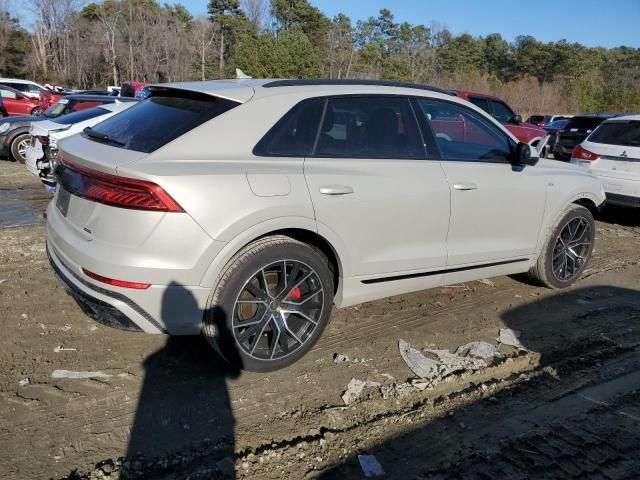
(22,206)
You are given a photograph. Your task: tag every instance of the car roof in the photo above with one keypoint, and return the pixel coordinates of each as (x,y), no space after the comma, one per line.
(19,80)
(243,90)
(626,117)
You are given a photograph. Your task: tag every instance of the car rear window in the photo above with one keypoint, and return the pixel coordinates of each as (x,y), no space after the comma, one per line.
(621,133)
(80,116)
(159,120)
(584,123)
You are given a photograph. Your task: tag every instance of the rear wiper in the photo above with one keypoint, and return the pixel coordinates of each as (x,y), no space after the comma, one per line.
(89,132)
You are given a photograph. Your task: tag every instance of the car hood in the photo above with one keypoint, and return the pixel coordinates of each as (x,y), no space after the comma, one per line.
(23,120)
(45,127)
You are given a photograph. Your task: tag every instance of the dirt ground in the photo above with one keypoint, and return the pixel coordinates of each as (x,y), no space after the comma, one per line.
(566,405)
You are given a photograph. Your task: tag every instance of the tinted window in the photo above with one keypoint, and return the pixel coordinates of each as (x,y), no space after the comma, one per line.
(295,134)
(369,127)
(618,133)
(81,116)
(8,94)
(501,111)
(158,120)
(535,119)
(463,134)
(482,103)
(127,90)
(584,123)
(21,87)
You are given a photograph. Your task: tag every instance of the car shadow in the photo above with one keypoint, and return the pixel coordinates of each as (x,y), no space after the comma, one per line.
(184,421)
(528,430)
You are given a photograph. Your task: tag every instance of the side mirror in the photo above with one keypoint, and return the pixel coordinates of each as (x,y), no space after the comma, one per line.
(516,119)
(524,155)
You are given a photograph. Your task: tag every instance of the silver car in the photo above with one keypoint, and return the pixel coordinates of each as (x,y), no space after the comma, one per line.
(246,209)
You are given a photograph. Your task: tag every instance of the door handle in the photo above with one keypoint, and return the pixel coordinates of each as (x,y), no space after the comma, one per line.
(336,190)
(465,186)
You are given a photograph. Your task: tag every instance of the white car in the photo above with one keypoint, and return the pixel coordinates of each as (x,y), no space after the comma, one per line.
(246,209)
(612,153)
(42,150)
(27,87)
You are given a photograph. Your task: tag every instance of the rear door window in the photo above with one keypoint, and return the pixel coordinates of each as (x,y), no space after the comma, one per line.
(369,126)
(158,120)
(294,135)
(626,134)
(8,94)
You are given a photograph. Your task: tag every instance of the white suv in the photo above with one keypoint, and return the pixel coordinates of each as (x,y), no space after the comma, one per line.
(29,88)
(246,209)
(612,153)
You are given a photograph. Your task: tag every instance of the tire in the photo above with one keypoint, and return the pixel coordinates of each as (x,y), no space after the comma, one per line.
(18,147)
(559,264)
(285,319)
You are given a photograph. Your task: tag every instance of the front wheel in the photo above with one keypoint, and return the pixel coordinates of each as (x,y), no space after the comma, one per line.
(567,250)
(271,304)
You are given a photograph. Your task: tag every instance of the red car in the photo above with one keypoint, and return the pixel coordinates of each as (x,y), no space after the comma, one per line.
(502,112)
(48,98)
(18,104)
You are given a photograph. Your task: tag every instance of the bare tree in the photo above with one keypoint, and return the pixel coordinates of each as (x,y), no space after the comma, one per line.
(257,12)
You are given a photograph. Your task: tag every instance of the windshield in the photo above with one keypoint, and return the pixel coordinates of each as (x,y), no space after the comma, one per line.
(621,133)
(81,116)
(584,123)
(56,109)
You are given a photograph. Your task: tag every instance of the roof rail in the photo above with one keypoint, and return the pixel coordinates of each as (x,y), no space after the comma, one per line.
(381,83)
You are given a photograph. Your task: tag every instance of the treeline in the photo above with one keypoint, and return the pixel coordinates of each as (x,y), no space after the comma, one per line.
(115,40)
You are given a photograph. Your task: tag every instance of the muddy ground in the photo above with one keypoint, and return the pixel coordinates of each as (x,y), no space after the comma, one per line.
(567,405)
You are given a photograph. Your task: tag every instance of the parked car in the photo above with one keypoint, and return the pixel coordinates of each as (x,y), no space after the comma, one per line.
(14,131)
(544,120)
(246,209)
(612,153)
(502,112)
(574,132)
(134,89)
(16,103)
(27,87)
(42,151)
(552,129)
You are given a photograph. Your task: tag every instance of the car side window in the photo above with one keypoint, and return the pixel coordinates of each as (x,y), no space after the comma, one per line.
(369,126)
(481,103)
(463,134)
(8,94)
(501,112)
(294,135)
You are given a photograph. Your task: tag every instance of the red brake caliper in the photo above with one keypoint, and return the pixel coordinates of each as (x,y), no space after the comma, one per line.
(295,294)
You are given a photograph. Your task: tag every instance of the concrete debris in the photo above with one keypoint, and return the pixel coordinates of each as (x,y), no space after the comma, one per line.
(60,348)
(422,366)
(452,363)
(370,466)
(396,390)
(355,388)
(24,316)
(486,281)
(483,350)
(23,382)
(340,358)
(510,337)
(74,374)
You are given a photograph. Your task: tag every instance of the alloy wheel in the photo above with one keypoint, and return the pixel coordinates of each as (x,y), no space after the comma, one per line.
(22,149)
(278,309)
(571,250)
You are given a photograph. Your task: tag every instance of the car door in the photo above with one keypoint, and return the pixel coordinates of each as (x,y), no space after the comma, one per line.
(13,103)
(377,188)
(496,208)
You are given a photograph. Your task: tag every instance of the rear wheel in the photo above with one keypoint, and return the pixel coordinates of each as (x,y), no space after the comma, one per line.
(567,250)
(271,304)
(19,147)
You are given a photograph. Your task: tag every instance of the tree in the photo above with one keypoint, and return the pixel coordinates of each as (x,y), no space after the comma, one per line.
(229,17)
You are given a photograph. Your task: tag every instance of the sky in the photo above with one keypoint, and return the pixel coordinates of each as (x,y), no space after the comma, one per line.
(594,23)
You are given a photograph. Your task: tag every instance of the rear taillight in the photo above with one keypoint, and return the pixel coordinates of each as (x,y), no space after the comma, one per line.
(116,191)
(43,140)
(116,283)
(584,154)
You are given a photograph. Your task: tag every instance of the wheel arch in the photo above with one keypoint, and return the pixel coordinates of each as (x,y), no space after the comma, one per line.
(304,232)
(15,133)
